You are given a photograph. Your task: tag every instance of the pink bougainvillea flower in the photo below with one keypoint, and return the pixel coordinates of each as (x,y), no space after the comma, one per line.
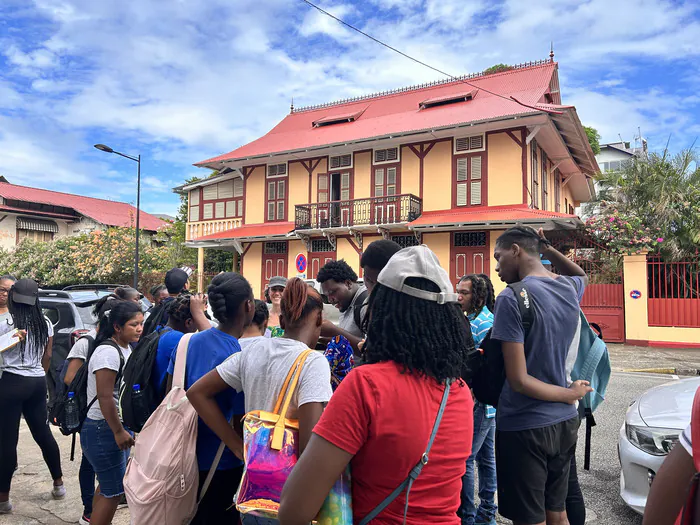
(660,239)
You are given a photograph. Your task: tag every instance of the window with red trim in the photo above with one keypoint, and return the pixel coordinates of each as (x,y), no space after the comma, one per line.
(217,201)
(545,181)
(557,191)
(469,180)
(535,195)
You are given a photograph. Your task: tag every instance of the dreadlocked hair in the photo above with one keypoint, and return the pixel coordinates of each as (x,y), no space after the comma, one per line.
(179,309)
(524,236)
(490,300)
(121,313)
(478,292)
(426,338)
(29,318)
(298,301)
(227,292)
(262,313)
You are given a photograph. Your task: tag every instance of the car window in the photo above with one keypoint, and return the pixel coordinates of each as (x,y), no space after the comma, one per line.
(60,314)
(86,315)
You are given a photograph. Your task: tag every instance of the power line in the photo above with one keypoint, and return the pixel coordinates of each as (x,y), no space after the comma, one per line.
(510,98)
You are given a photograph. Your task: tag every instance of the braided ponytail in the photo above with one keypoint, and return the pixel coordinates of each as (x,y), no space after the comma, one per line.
(227,292)
(298,301)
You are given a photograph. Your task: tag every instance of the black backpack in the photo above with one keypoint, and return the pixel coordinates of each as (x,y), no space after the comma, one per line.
(157,318)
(137,408)
(61,390)
(357,308)
(487,371)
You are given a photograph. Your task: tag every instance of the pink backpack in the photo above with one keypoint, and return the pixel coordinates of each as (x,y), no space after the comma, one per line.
(162,477)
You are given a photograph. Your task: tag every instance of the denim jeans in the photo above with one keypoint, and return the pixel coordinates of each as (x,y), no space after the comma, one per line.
(484,454)
(249,519)
(102,451)
(86,477)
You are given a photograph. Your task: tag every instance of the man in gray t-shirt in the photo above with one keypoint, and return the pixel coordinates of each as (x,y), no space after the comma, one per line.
(339,284)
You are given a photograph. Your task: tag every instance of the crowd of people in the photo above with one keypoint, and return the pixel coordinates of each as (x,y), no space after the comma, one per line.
(400,412)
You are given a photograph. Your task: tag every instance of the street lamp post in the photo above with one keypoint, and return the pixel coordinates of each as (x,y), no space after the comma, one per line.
(136,159)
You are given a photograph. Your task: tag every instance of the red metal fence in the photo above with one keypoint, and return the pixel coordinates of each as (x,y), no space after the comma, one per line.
(674,293)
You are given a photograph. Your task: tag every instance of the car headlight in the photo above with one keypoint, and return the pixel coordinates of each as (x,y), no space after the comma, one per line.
(654,441)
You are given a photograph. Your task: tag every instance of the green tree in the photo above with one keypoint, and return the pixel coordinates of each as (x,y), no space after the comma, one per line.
(593,138)
(663,191)
(497,68)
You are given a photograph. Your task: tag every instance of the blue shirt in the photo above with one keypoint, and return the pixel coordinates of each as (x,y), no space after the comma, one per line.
(206,351)
(480,324)
(166,344)
(556,316)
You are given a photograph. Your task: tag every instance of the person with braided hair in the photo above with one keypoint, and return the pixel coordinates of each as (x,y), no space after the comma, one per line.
(185,315)
(475,292)
(23,383)
(257,328)
(261,367)
(382,415)
(232,303)
(537,421)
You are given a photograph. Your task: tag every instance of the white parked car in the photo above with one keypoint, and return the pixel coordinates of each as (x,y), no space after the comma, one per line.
(652,426)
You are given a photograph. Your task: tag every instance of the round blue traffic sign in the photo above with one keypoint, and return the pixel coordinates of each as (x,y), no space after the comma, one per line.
(300,263)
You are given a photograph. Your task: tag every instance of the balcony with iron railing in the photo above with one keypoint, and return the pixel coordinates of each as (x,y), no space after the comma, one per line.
(374,211)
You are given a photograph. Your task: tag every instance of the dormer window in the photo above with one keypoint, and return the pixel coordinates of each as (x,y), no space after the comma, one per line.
(337,119)
(448,99)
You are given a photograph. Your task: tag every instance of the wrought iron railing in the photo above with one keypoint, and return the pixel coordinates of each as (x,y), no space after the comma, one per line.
(374,211)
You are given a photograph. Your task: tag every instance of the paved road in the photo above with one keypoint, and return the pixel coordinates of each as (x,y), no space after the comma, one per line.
(33,502)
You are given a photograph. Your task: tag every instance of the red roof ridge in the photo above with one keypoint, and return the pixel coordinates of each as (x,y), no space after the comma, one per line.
(65,193)
(426,85)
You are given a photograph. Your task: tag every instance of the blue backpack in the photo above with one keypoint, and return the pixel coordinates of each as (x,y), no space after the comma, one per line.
(593,365)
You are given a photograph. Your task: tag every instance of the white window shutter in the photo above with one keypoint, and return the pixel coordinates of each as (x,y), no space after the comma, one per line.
(281,189)
(461,170)
(461,194)
(208,212)
(240,208)
(270,211)
(194,197)
(220,210)
(475,193)
(476,168)
(462,144)
(230,209)
(226,189)
(238,187)
(391,176)
(379,177)
(476,142)
(280,210)
(345,181)
(210,193)
(323,182)
(194,213)
(392,154)
(270,190)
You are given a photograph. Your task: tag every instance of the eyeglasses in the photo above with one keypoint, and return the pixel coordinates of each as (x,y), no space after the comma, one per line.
(4,291)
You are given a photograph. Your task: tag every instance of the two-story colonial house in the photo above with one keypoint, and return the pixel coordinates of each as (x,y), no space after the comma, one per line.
(450,164)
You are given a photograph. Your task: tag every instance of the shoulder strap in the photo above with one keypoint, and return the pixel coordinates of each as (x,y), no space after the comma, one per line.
(357,308)
(695,430)
(415,471)
(278,431)
(212,469)
(522,295)
(181,361)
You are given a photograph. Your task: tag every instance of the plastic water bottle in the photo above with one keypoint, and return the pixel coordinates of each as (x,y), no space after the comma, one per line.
(72,416)
(140,407)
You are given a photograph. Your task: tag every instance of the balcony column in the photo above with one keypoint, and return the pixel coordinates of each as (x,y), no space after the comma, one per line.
(200,270)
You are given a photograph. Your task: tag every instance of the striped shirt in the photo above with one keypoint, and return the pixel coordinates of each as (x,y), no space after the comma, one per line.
(481,324)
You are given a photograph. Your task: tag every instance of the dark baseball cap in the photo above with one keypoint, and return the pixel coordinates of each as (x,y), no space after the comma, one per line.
(175,280)
(25,291)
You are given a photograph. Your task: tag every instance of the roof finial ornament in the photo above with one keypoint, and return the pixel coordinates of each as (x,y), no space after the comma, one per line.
(551,51)
(291,107)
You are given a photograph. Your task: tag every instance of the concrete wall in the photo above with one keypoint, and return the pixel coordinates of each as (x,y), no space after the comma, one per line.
(637,329)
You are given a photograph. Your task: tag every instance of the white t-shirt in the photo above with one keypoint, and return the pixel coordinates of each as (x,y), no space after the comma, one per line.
(260,369)
(686,440)
(104,357)
(82,347)
(347,318)
(11,361)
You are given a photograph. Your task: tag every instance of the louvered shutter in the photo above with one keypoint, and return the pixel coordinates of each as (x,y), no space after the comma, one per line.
(475,197)
(225,189)
(194,213)
(208,212)
(345,187)
(461,194)
(210,193)
(238,188)
(230,209)
(194,197)
(391,181)
(380,155)
(476,142)
(392,154)
(462,170)
(476,168)
(220,210)
(379,182)
(462,144)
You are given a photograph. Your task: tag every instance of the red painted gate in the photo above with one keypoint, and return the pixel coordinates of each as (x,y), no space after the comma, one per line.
(604,305)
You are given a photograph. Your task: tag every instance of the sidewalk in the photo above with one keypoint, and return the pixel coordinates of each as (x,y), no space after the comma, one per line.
(626,357)
(31,486)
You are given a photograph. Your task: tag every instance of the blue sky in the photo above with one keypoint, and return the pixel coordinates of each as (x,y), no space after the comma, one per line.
(182,81)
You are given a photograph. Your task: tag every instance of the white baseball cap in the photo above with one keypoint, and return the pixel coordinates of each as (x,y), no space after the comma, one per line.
(421,262)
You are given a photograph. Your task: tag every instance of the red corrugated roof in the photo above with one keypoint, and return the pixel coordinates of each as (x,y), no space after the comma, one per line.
(487,214)
(251,231)
(400,113)
(109,213)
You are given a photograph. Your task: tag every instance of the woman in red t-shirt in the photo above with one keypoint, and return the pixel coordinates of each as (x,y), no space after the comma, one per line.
(380,418)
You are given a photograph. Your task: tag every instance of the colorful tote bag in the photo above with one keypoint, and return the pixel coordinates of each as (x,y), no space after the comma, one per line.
(340,358)
(270,451)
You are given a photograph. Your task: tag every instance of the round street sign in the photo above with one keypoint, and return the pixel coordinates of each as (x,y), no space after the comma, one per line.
(300,263)
(635,294)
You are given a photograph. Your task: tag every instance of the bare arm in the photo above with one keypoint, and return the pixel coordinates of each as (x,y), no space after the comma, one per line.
(330,330)
(562,263)
(317,470)
(309,414)
(523,383)
(201,395)
(104,380)
(670,488)
(197,307)
(73,367)
(46,358)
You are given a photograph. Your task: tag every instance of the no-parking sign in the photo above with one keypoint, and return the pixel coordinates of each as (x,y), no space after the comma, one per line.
(300,263)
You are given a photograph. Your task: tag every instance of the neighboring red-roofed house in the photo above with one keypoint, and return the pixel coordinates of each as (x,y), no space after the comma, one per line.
(450,164)
(44,214)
